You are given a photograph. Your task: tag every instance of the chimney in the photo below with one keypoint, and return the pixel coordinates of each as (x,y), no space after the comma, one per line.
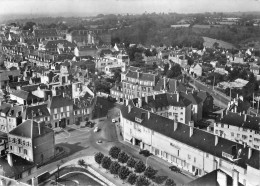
(164,83)
(140,102)
(154,96)
(138,75)
(175,125)
(249,152)
(221,178)
(245,117)
(216,140)
(39,128)
(34,181)
(148,115)
(235,177)
(10,159)
(191,124)
(146,99)
(127,102)
(178,96)
(235,109)
(129,108)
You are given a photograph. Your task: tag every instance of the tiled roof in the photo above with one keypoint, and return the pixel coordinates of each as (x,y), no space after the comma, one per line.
(192,97)
(20,83)
(210,179)
(31,88)
(142,76)
(59,101)
(19,166)
(237,119)
(54,44)
(24,95)
(45,32)
(172,85)
(86,48)
(5,107)
(38,111)
(30,129)
(163,100)
(200,139)
(15,111)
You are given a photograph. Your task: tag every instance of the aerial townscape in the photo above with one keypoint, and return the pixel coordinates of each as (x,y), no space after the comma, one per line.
(140,98)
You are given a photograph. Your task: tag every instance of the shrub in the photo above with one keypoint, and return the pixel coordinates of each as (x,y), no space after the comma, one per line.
(139,167)
(114,152)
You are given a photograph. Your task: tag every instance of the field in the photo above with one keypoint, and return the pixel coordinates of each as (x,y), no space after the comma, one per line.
(208,42)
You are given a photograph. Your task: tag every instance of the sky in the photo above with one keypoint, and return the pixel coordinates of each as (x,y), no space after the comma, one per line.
(93,7)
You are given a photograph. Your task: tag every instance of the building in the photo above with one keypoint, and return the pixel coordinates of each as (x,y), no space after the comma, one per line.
(179,59)
(14,117)
(4,109)
(134,84)
(23,97)
(45,34)
(239,127)
(196,151)
(254,69)
(57,46)
(8,76)
(32,141)
(77,36)
(196,70)
(61,111)
(84,51)
(169,85)
(170,105)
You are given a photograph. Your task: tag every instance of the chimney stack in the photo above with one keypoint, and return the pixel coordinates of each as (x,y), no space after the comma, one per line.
(10,159)
(245,116)
(39,128)
(129,108)
(216,140)
(178,96)
(127,102)
(148,115)
(221,178)
(175,125)
(154,96)
(146,99)
(191,124)
(140,102)
(249,152)
(235,177)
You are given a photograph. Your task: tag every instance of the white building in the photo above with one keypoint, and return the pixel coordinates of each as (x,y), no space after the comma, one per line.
(189,148)
(241,128)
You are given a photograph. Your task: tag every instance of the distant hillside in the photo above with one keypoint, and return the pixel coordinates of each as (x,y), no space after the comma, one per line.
(208,42)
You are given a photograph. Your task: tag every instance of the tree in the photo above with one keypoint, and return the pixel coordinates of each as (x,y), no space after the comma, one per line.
(170,182)
(114,167)
(132,178)
(117,76)
(175,71)
(131,162)
(142,181)
(29,26)
(123,157)
(98,157)
(139,167)
(114,152)
(149,172)
(106,162)
(165,68)
(81,162)
(123,172)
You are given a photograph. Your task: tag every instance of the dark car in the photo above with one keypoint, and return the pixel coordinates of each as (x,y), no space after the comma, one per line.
(145,153)
(175,169)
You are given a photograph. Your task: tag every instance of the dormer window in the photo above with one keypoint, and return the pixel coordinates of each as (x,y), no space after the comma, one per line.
(138,120)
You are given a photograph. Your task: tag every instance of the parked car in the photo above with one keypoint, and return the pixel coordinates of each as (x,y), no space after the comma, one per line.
(145,153)
(99,141)
(96,129)
(175,169)
(113,120)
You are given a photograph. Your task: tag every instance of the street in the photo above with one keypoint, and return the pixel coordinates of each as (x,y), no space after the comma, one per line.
(80,142)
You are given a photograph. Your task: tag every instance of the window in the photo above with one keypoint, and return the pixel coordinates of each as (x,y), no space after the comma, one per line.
(25,151)
(55,116)
(55,111)
(61,109)
(216,131)
(256,146)
(194,160)
(232,134)
(68,114)
(189,157)
(11,147)
(207,155)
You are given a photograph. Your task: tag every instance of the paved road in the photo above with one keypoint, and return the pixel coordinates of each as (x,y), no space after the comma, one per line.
(82,142)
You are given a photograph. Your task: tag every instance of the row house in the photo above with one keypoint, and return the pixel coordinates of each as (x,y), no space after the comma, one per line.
(45,34)
(57,46)
(135,84)
(196,151)
(84,36)
(169,85)
(238,127)
(179,59)
(172,106)
(61,111)
(85,51)
(32,141)
(37,113)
